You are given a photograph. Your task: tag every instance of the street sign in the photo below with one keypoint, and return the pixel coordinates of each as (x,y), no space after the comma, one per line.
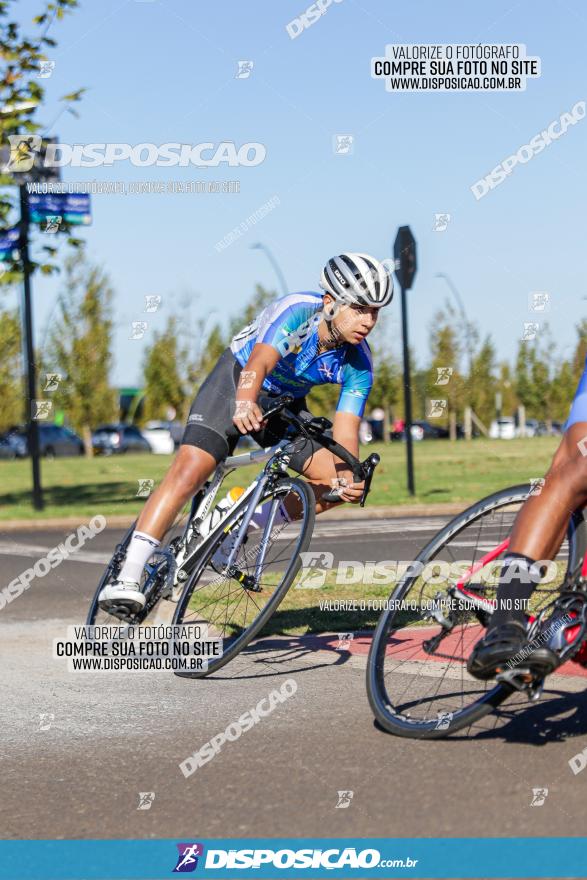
(75,209)
(9,243)
(404,252)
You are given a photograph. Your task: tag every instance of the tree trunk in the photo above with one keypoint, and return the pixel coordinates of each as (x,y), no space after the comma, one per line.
(386,422)
(452,425)
(87,438)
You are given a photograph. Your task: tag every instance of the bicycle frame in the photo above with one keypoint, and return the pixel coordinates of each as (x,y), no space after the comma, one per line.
(204,499)
(577,565)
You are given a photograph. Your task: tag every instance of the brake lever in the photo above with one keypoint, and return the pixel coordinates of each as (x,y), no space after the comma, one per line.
(369,469)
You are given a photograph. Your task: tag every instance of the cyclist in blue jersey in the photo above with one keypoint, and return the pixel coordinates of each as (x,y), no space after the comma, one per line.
(297,342)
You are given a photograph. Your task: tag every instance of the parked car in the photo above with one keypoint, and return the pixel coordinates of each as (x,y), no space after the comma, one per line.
(422,430)
(532,429)
(503,428)
(6,449)
(110,439)
(16,440)
(54,441)
(159,437)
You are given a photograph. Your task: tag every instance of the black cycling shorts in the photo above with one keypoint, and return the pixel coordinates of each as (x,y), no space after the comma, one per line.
(210,426)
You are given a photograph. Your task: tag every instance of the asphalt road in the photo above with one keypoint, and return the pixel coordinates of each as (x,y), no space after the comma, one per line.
(103,739)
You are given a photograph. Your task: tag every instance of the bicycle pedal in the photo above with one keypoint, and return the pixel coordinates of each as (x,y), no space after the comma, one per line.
(520,678)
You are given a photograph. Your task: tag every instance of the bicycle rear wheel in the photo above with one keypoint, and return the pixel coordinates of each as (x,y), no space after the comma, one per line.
(236,610)
(417,681)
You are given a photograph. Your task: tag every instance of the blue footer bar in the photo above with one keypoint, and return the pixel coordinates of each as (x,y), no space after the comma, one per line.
(288,857)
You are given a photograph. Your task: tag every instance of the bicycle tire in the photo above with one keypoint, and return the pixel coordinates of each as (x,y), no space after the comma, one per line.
(376,691)
(210,547)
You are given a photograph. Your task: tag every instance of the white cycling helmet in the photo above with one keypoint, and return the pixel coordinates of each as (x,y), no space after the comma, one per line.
(357,278)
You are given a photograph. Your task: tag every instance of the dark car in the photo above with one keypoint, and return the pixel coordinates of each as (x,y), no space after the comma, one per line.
(7,449)
(54,441)
(422,430)
(110,439)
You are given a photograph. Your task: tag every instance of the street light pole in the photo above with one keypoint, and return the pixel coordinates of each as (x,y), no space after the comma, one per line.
(276,268)
(32,426)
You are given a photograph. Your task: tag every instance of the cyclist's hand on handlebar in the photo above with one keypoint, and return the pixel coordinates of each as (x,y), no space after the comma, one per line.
(248,416)
(348,491)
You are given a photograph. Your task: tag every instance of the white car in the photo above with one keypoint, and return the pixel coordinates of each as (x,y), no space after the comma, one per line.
(159,438)
(503,429)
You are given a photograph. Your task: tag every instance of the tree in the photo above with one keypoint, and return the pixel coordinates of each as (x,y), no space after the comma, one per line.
(11,399)
(21,94)
(562,390)
(481,383)
(446,348)
(80,348)
(164,384)
(505,386)
(580,350)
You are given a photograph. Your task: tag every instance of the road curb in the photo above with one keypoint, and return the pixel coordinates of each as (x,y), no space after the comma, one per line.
(348,512)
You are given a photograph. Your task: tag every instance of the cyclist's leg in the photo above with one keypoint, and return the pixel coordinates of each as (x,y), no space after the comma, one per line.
(537,535)
(208,438)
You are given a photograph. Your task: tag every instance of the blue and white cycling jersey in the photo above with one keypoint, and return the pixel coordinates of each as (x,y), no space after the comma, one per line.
(290,325)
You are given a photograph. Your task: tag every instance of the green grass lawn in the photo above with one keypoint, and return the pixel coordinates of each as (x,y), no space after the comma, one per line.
(445,472)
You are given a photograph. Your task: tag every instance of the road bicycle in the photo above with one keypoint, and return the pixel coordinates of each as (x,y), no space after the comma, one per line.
(233,576)
(417,681)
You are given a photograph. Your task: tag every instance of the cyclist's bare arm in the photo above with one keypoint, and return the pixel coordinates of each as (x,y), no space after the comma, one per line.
(346,432)
(248,415)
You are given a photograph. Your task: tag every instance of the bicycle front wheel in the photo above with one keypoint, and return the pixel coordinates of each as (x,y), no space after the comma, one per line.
(235,605)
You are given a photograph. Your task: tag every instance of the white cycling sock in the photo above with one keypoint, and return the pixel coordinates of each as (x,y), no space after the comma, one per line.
(140,550)
(261,516)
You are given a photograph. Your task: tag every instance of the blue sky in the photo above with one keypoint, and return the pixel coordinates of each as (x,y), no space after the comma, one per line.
(164,71)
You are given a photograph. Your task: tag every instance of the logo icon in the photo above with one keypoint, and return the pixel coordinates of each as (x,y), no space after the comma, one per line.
(244,70)
(437,408)
(344,641)
(443,375)
(536,485)
(539,795)
(52,223)
(138,329)
(146,799)
(531,329)
(42,409)
(344,799)
(152,303)
(443,720)
(342,144)
(539,301)
(145,488)
(441,222)
(23,149)
(45,720)
(46,68)
(52,381)
(313,573)
(187,859)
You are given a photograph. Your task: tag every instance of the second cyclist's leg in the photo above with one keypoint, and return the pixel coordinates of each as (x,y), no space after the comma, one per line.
(538,532)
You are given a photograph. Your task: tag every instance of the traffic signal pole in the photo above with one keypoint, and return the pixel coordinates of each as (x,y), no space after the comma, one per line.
(407,396)
(404,253)
(32,424)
